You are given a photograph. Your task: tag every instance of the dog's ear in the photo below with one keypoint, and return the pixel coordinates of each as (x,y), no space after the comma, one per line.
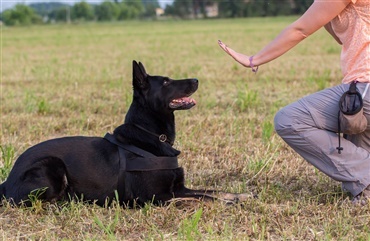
(142,68)
(139,75)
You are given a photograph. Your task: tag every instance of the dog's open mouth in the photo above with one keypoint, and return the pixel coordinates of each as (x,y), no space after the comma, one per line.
(182,103)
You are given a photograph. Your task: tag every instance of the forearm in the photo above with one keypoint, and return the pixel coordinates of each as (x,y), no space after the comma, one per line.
(286,40)
(318,15)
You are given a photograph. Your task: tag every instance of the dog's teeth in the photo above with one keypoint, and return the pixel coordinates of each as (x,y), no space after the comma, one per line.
(176,103)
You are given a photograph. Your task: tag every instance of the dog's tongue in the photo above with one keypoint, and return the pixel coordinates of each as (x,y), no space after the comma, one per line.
(176,103)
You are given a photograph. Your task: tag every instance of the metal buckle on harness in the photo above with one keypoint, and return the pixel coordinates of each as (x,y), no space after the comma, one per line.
(162,138)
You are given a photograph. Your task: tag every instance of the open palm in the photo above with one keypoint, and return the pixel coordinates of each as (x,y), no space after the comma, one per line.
(240,58)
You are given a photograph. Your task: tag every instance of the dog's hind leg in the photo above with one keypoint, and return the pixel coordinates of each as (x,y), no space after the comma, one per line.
(46,180)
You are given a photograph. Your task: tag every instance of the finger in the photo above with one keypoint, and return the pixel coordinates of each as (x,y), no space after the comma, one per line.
(224,47)
(231,53)
(220,43)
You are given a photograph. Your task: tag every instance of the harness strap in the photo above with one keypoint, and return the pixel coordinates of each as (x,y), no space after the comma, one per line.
(145,161)
(131,148)
(121,183)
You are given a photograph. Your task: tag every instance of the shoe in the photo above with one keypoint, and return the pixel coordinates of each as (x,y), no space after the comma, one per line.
(363,198)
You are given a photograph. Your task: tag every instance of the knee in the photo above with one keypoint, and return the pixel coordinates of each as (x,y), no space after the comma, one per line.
(282,122)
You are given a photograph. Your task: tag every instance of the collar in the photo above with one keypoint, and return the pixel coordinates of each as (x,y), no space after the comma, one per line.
(161,137)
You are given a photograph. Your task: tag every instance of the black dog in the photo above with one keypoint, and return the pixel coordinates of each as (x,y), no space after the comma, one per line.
(136,164)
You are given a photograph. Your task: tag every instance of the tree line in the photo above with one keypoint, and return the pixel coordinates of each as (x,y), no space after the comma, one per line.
(51,12)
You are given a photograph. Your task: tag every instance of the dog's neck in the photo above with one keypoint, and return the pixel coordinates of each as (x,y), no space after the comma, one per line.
(130,134)
(144,129)
(161,137)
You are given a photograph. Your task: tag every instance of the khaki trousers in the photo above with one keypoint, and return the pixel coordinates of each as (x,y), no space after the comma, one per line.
(310,127)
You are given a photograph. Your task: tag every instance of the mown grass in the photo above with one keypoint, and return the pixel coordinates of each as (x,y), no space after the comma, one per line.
(76,80)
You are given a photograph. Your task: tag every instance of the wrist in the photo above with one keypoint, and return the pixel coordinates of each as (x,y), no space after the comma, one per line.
(251,64)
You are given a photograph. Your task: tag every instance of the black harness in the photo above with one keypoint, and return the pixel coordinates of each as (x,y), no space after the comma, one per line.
(145,161)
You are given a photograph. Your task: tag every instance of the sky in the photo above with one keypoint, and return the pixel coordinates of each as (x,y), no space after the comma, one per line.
(5,4)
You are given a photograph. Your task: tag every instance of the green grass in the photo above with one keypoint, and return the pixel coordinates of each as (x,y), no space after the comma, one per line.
(76,80)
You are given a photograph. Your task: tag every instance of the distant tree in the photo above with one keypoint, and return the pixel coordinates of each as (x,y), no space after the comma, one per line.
(181,8)
(255,8)
(232,8)
(135,4)
(20,15)
(107,11)
(45,8)
(149,7)
(277,7)
(82,11)
(301,6)
(189,8)
(199,8)
(61,14)
(130,9)
(169,9)
(127,12)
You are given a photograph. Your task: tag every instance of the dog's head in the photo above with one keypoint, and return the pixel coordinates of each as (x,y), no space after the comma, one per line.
(161,93)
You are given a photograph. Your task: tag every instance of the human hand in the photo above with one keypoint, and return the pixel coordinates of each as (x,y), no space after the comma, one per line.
(240,58)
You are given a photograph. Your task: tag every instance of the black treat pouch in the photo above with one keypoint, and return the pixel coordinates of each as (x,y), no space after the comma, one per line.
(351,119)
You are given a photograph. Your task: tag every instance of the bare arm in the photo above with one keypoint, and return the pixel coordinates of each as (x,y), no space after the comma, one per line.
(318,15)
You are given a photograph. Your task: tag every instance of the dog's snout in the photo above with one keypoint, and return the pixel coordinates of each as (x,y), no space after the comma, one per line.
(194,82)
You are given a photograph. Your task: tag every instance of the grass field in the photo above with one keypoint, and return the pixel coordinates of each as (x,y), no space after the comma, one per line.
(76,80)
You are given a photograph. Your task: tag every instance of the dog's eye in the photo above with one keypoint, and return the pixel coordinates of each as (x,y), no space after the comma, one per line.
(166,81)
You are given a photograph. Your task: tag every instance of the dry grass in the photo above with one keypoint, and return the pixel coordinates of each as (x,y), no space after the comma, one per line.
(76,80)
